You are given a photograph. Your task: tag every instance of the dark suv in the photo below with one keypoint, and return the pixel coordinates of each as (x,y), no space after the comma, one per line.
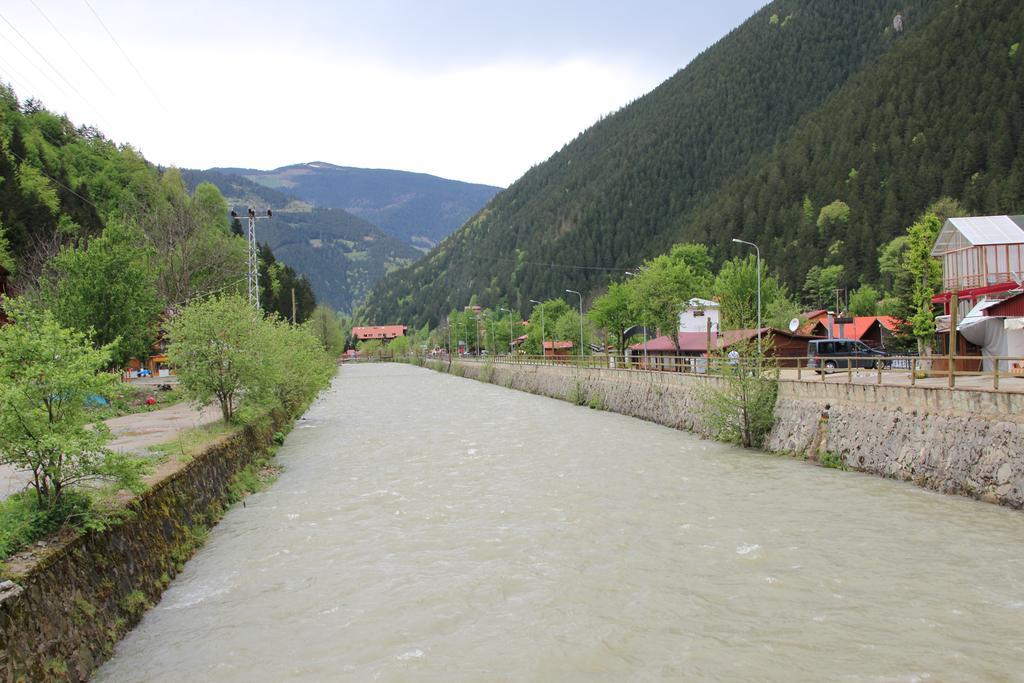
(829,355)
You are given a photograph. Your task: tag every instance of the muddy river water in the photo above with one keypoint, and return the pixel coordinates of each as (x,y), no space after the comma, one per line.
(428,527)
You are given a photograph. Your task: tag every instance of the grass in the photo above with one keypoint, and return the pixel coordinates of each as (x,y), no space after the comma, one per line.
(131,398)
(191,442)
(23,522)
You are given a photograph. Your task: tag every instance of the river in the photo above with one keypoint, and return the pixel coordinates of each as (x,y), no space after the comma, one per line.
(428,527)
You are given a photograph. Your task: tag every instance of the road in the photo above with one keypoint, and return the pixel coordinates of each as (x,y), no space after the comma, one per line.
(131,433)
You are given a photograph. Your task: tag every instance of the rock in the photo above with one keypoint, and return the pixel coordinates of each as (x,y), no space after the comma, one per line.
(1004,473)
(9,589)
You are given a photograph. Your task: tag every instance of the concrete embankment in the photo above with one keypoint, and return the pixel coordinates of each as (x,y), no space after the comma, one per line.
(62,612)
(962,442)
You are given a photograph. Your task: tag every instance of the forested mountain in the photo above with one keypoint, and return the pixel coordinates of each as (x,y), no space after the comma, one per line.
(106,242)
(815,99)
(416,208)
(342,255)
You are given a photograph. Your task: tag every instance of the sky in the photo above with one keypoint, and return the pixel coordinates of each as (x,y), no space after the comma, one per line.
(475,91)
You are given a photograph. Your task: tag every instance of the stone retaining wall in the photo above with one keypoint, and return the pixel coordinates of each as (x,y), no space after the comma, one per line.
(962,442)
(61,617)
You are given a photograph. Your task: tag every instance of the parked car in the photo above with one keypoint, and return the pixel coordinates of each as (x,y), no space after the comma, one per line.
(829,355)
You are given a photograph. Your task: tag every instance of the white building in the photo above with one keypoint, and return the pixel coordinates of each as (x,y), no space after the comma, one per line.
(695,316)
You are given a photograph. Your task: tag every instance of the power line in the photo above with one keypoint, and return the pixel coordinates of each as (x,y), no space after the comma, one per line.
(46,175)
(127,58)
(47,62)
(16,75)
(548,265)
(33,65)
(68,43)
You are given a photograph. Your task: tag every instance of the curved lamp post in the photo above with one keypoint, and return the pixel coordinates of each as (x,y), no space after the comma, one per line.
(738,241)
(573,291)
(510,333)
(534,301)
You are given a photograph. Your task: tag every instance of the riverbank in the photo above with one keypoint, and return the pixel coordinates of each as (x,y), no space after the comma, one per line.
(959,442)
(65,605)
(428,528)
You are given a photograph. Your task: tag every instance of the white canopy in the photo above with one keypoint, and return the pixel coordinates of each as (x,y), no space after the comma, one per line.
(997,336)
(978,230)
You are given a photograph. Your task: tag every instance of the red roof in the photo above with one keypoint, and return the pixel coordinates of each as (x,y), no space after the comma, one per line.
(1011,306)
(697,342)
(860,325)
(379,332)
(557,345)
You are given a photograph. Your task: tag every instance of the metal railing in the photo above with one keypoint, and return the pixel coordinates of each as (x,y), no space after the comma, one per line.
(931,371)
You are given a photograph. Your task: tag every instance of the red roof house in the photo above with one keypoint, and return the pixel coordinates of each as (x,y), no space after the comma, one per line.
(695,344)
(873,330)
(557,348)
(378,332)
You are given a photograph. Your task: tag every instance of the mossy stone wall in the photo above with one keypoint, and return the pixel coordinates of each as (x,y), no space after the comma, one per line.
(61,618)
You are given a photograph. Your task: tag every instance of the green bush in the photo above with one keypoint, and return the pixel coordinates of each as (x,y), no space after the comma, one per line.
(23,521)
(832,460)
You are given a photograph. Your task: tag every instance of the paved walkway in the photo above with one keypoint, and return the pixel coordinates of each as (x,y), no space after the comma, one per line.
(131,433)
(897,378)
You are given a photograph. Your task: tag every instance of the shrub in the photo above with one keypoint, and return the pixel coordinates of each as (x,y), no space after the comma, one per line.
(46,374)
(742,409)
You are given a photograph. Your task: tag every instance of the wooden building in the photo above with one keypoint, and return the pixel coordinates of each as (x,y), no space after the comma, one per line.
(981,256)
(382,332)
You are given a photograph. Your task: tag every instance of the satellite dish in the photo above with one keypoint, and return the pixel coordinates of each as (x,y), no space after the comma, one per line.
(793,324)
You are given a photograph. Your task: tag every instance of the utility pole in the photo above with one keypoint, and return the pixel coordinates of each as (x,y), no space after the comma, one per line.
(254,258)
(542,337)
(758,250)
(293,305)
(573,291)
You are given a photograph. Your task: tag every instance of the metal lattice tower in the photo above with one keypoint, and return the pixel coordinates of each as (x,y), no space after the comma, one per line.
(254,263)
(253,275)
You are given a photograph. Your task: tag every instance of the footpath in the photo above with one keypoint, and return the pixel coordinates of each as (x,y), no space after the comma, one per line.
(132,434)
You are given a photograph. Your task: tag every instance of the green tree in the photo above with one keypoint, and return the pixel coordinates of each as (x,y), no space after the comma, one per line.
(614,312)
(821,283)
(864,301)
(294,365)
(6,258)
(325,325)
(107,286)
(736,289)
(196,254)
(833,219)
(544,322)
(217,351)
(926,272)
(567,328)
(399,346)
(368,347)
(890,262)
(740,407)
(47,373)
(665,283)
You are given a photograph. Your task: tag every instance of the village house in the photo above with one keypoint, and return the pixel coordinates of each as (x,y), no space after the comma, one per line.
(558,349)
(382,332)
(983,267)
(981,256)
(695,317)
(873,330)
(661,354)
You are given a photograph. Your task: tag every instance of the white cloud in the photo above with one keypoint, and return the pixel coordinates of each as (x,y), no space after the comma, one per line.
(250,101)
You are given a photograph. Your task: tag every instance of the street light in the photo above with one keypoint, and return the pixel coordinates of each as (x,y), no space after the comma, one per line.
(490,319)
(510,332)
(534,301)
(573,291)
(738,241)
